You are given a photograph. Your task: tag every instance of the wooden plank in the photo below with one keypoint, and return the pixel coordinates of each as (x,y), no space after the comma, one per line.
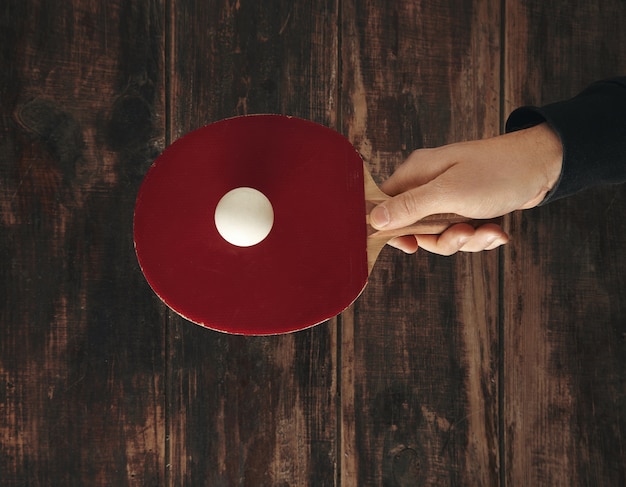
(420,350)
(252,411)
(564,293)
(81,334)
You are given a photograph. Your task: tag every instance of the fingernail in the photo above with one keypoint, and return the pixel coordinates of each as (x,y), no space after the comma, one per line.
(379,217)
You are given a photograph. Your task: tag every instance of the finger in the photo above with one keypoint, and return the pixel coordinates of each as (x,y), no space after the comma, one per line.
(411,206)
(407,244)
(462,237)
(502,239)
(486,237)
(449,242)
(498,242)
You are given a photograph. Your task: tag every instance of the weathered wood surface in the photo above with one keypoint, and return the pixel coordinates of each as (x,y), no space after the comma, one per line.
(564,408)
(419,398)
(503,368)
(82,364)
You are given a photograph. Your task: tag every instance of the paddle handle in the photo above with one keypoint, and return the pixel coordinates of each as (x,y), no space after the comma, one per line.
(431,225)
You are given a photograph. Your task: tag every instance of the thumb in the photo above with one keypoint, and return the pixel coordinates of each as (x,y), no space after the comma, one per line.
(406,208)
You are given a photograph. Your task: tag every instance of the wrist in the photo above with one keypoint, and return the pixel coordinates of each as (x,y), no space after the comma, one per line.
(549,143)
(544,158)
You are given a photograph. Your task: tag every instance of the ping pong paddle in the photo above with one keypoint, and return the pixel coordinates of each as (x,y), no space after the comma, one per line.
(304,250)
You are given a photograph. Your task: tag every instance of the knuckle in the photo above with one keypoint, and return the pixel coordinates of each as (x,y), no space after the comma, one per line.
(406,206)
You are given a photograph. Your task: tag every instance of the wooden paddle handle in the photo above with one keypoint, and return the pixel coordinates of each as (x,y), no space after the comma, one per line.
(431,225)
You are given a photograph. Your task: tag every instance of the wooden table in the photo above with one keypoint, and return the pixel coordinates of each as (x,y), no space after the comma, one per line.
(502,368)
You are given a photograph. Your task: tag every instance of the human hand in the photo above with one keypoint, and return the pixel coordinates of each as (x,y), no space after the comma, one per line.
(479,179)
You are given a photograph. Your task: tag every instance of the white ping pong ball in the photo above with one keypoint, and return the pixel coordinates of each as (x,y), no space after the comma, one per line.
(244,217)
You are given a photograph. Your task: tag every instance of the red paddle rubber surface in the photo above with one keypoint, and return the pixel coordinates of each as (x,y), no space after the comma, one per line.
(313,263)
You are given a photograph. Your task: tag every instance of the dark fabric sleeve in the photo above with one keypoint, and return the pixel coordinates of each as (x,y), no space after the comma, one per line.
(592,128)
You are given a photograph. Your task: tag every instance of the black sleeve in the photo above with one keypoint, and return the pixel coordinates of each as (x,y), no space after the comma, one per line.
(592,128)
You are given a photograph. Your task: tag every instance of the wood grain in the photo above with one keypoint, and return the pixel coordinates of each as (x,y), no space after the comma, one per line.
(492,369)
(252,411)
(81,335)
(564,287)
(419,352)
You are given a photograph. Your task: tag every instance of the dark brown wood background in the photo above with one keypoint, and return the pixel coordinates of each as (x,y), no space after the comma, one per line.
(503,368)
